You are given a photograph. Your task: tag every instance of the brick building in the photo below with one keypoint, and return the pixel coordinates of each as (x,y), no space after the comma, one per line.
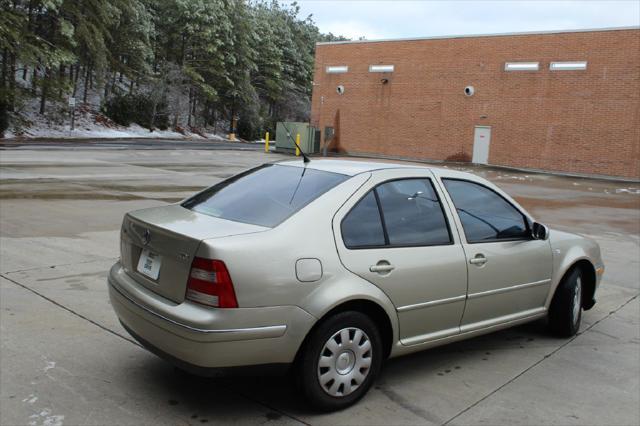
(566,101)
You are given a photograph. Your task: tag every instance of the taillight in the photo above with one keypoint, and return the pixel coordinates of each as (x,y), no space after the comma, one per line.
(210,284)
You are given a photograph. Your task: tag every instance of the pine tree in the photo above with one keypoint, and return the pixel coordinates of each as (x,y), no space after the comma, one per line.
(199,60)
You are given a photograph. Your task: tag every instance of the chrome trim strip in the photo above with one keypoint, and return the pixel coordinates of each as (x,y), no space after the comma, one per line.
(507,289)
(470,296)
(442,334)
(474,329)
(431,303)
(492,322)
(252,333)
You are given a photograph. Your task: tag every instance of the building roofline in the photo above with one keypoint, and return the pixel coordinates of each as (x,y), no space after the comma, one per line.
(586,30)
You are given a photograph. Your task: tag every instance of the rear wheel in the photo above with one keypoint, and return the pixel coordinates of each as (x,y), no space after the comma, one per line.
(340,361)
(565,312)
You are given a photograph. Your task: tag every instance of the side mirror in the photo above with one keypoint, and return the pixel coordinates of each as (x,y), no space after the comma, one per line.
(539,231)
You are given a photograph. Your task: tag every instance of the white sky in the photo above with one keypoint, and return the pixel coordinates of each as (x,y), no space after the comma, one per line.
(421,18)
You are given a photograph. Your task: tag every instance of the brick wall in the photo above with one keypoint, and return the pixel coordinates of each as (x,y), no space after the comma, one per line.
(572,121)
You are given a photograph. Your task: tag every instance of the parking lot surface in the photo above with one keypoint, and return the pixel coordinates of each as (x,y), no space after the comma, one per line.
(65,359)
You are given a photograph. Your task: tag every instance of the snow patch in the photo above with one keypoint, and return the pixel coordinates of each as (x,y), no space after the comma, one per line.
(628,191)
(46,418)
(55,420)
(31,399)
(94,130)
(90,123)
(49,366)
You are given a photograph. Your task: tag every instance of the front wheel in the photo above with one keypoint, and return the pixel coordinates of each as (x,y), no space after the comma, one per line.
(340,361)
(565,312)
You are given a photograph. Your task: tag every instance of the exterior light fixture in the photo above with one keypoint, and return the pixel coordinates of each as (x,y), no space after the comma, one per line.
(522,66)
(381,68)
(337,69)
(568,66)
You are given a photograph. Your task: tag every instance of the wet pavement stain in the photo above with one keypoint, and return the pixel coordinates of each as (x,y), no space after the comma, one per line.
(55,165)
(100,274)
(77,286)
(273,416)
(403,402)
(148,188)
(49,195)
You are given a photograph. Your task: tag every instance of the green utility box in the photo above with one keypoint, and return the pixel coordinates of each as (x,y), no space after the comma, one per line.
(286,135)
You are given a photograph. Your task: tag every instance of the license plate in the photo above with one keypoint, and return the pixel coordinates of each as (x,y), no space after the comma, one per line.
(149,264)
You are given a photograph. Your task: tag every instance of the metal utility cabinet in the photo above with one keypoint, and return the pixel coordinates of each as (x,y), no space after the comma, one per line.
(286,135)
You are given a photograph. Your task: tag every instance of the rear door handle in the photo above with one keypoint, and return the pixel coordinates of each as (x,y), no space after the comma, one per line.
(382,268)
(479,260)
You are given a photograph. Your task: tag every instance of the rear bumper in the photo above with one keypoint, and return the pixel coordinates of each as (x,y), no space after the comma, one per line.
(253,370)
(206,337)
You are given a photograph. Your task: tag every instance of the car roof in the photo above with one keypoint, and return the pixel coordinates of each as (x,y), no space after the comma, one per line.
(350,167)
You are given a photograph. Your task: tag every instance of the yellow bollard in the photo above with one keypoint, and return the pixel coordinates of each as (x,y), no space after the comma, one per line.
(266,142)
(297,145)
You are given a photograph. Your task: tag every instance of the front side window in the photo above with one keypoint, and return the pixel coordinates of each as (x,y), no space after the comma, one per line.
(398,213)
(484,214)
(266,195)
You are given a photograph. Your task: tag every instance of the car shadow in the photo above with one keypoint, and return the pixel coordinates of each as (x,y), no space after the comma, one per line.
(226,397)
(273,395)
(483,347)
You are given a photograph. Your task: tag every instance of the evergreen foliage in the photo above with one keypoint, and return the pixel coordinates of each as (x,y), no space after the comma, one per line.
(194,63)
(135,108)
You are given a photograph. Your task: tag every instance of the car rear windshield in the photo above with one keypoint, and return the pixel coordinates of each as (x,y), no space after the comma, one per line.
(266,195)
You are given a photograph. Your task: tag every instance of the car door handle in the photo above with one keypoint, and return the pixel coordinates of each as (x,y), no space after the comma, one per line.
(479,260)
(382,268)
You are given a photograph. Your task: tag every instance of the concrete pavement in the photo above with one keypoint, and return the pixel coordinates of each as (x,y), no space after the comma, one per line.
(64,358)
(126,143)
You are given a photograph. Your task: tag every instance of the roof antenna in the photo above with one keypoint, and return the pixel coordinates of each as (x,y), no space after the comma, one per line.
(305,159)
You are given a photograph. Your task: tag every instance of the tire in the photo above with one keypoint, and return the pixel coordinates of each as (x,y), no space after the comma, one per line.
(565,312)
(347,370)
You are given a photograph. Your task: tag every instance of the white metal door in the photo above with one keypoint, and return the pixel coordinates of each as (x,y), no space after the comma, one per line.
(481,142)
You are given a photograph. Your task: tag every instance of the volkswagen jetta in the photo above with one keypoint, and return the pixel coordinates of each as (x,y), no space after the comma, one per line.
(333,266)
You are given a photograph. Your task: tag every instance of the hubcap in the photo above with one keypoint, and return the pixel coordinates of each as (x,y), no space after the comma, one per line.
(577,300)
(345,361)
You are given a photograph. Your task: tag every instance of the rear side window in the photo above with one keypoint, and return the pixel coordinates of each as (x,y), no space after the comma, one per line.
(484,214)
(266,195)
(362,227)
(412,213)
(399,213)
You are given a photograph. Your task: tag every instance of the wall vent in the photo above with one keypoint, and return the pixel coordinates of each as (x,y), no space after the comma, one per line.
(522,66)
(337,69)
(381,68)
(568,66)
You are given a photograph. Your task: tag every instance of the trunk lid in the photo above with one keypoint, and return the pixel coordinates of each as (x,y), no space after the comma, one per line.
(172,234)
